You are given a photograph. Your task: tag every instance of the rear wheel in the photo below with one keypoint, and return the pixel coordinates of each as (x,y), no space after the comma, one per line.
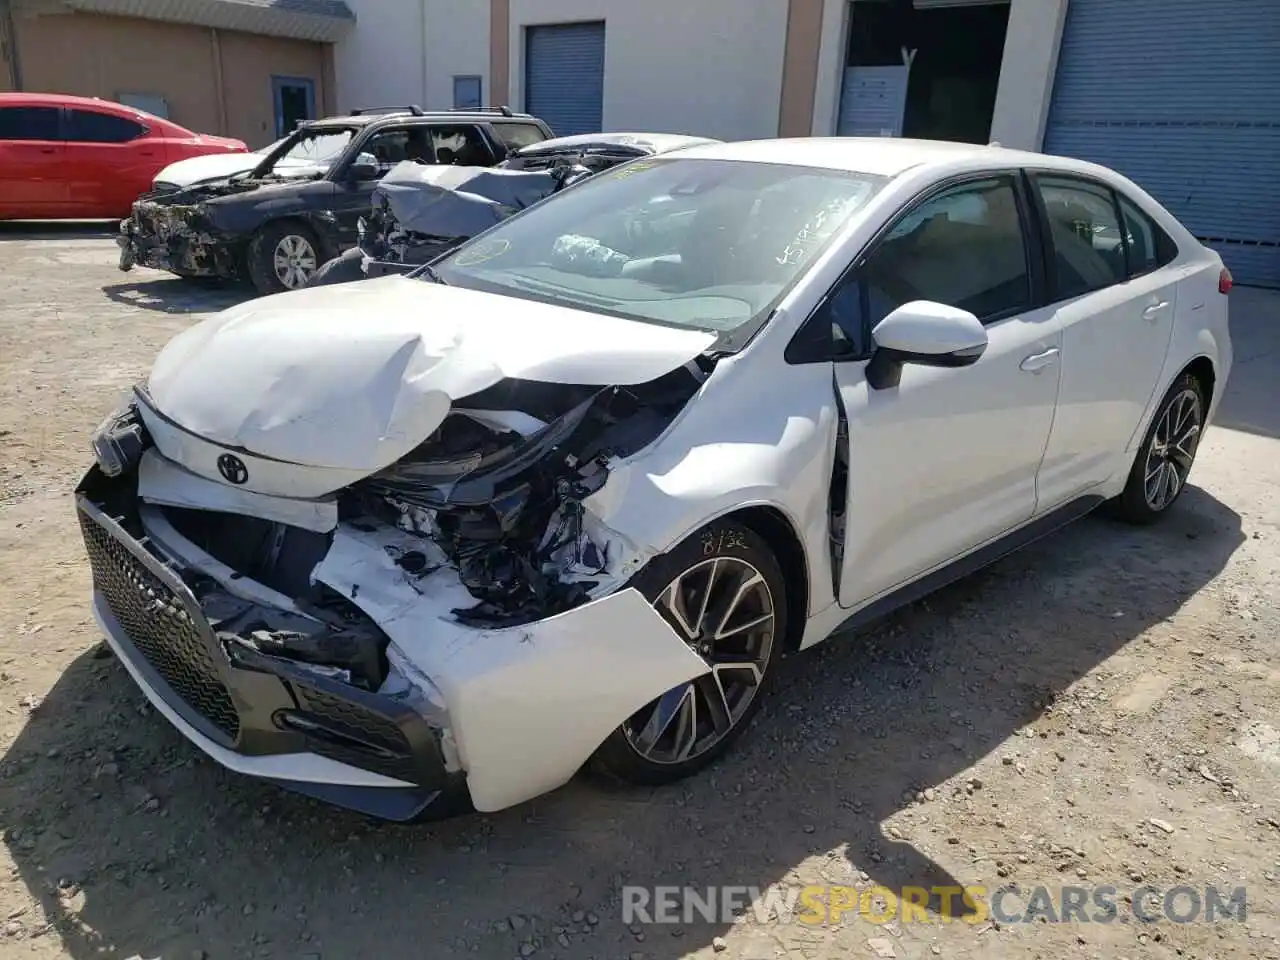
(283,256)
(724,594)
(1160,470)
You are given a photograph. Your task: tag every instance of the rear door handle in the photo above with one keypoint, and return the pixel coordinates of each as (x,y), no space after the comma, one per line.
(1038,361)
(1155,308)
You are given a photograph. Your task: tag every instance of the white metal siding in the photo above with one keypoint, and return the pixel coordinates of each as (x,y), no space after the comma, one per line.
(1182,96)
(564,76)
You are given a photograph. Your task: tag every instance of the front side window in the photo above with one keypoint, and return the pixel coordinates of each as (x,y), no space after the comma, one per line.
(963,247)
(29,123)
(706,244)
(1088,244)
(89,126)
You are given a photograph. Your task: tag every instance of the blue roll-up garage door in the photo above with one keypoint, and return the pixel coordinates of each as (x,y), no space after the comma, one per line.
(564,76)
(1183,97)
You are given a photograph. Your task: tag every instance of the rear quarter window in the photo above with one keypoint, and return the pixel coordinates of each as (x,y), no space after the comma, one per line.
(515,135)
(88,126)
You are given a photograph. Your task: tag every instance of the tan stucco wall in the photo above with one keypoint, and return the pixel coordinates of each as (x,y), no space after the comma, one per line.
(800,67)
(101,56)
(248,63)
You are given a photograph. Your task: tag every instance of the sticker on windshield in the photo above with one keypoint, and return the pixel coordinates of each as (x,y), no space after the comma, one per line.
(815,232)
(482,252)
(635,166)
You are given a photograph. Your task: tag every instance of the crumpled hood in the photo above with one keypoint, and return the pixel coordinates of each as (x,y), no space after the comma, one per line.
(354,376)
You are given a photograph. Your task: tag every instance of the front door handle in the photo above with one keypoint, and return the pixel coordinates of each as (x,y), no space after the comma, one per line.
(1152,311)
(1038,361)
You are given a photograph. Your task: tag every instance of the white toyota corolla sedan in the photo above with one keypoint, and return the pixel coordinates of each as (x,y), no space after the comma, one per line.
(435,542)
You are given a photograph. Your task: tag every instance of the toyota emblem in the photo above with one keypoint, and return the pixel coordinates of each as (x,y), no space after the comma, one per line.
(232,469)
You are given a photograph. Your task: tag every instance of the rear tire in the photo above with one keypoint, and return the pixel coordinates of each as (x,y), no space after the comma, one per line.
(724,594)
(283,256)
(1164,460)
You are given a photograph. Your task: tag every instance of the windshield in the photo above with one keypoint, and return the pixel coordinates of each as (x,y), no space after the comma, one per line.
(707,244)
(312,150)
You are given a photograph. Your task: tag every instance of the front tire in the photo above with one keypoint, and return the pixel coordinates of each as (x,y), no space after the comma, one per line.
(1160,469)
(724,594)
(283,256)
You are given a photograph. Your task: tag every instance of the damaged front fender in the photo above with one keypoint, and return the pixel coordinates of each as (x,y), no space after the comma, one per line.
(529,704)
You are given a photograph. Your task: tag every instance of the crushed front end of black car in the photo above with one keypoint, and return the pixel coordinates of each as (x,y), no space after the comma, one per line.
(173,231)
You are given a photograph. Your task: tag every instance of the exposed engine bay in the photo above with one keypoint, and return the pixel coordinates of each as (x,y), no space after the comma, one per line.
(493,499)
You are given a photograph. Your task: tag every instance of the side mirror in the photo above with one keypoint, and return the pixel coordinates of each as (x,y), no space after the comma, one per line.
(927,333)
(364,167)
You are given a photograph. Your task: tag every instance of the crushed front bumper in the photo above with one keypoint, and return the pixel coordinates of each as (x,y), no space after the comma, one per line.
(175,238)
(260,715)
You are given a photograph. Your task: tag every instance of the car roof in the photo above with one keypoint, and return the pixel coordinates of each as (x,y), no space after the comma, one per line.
(645,142)
(881,156)
(66,100)
(434,116)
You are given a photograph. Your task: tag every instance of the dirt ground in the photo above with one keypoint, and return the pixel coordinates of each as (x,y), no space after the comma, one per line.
(1101,709)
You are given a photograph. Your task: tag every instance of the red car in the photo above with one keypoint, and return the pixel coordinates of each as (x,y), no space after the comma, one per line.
(64,157)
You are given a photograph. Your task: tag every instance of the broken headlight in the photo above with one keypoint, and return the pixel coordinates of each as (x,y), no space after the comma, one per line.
(118,443)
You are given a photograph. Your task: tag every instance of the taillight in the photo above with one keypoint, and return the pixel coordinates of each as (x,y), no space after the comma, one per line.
(1224,281)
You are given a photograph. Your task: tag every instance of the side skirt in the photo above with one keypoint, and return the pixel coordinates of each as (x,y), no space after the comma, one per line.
(984,556)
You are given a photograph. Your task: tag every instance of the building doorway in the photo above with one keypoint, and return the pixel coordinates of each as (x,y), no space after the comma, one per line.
(295,101)
(923,68)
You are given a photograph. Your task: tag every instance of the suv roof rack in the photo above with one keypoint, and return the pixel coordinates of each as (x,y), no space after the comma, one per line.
(504,110)
(408,108)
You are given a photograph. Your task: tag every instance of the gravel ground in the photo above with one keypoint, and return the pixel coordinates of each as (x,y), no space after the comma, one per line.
(1101,709)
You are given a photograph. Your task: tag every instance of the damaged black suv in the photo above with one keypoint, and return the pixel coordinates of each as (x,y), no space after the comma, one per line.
(275,224)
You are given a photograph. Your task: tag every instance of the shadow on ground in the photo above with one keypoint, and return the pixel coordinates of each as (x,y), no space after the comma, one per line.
(132,840)
(178,295)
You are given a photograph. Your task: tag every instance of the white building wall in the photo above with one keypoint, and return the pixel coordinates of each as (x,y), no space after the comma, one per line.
(457,45)
(381,62)
(1026,72)
(703,67)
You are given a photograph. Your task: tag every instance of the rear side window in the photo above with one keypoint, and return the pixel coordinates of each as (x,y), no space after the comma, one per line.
(1088,244)
(1150,248)
(88,126)
(28,123)
(517,135)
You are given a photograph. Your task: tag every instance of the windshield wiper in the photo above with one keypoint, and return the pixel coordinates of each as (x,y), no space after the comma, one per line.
(430,272)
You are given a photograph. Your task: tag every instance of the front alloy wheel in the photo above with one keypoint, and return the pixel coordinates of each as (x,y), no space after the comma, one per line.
(724,610)
(723,594)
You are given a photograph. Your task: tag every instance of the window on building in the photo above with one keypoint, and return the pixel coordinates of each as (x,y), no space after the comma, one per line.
(1088,245)
(88,126)
(467,93)
(28,123)
(151,103)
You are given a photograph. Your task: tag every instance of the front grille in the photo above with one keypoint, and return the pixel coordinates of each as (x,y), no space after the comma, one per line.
(392,755)
(159,626)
